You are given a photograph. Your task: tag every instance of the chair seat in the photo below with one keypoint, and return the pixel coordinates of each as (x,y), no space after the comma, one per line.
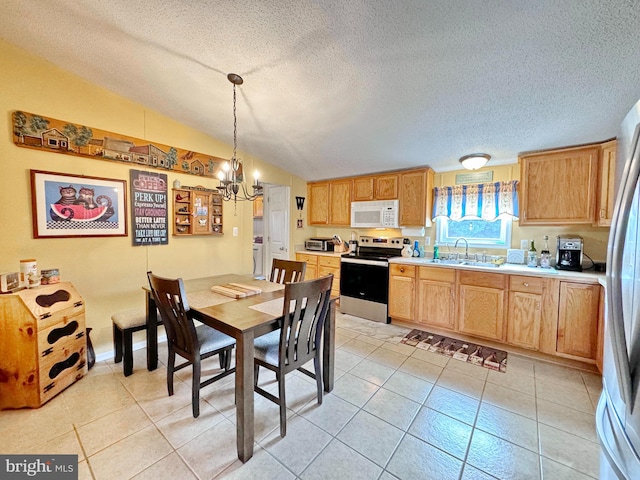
(212,340)
(129,319)
(266,347)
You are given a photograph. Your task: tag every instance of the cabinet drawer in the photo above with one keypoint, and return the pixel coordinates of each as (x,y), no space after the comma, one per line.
(402,270)
(52,339)
(333,262)
(481,279)
(324,271)
(50,388)
(65,356)
(519,283)
(438,274)
(305,257)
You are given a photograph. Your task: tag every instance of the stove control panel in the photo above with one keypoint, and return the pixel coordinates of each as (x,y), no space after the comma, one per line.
(382,242)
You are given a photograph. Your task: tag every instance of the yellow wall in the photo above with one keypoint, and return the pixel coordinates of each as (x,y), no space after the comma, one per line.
(595,239)
(109,272)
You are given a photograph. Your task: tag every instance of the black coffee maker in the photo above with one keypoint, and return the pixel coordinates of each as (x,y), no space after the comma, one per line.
(569,253)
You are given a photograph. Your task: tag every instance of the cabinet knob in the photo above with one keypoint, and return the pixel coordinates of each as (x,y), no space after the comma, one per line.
(401,270)
(526,284)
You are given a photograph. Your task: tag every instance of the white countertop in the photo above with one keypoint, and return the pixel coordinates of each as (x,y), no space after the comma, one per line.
(322,254)
(507,268)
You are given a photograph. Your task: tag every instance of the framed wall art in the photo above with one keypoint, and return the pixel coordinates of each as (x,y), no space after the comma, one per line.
(66,205)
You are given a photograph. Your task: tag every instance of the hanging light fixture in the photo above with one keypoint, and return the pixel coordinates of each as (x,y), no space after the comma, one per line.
(231,184)
(475,161)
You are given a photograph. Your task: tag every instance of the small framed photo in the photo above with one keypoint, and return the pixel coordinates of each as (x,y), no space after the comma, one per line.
(66,205)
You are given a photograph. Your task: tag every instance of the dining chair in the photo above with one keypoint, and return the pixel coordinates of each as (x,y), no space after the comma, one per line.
(192,343)
(306,305)
(283,271)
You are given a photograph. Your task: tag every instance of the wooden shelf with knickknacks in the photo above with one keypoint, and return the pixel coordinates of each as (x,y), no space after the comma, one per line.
(197,211)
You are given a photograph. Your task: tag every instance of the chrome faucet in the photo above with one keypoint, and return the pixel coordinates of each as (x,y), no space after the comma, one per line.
(466,246)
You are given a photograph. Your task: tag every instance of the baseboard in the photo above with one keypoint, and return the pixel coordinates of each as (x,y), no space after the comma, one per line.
(108,355)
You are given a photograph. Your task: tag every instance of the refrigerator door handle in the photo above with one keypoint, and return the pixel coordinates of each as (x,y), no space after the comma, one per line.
(617,235)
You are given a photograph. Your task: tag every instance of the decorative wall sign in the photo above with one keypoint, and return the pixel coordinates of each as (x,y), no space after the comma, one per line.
(148,208)
(44,133)
(66,205)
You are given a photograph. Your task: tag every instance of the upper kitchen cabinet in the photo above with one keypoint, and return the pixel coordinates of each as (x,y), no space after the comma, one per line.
(558,187)
(330,202)
(378,187)
(318,213)
(340,202)
(416,198)
(606,187)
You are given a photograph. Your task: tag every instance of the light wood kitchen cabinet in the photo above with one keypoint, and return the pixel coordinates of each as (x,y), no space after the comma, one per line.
(311,271)
(578,314)
(415,196)
(258,207)
(375,187)
(318,213)
(606,184)
(402,291)
(525,311)
(558,187)
(436,297)
(481,306)
(363,189)
(340,202)
(327,265)
(386,187)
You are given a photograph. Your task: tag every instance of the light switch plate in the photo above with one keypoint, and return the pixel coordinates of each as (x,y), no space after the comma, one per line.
(524,244)
(235,231)
(427,240)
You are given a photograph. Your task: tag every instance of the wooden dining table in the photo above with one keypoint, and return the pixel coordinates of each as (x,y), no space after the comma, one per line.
(236,318)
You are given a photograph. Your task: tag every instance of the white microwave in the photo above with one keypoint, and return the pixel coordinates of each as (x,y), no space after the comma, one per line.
(377,214)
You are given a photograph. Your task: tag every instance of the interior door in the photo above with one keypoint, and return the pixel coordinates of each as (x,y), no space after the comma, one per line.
(276,213)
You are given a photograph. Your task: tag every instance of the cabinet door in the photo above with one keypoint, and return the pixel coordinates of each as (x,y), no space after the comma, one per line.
(201,217)
(436,297)
(386,187)
(578,319)
(523,324)
(363,189)
(413,199)
(311,271)
(318,194)
(340,202)
(327,265)
(558,188)
(402,291)
(258,207)
(606,187)
(481,303)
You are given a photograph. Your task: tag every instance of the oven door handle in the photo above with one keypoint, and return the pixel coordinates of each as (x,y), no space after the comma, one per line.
(362,261)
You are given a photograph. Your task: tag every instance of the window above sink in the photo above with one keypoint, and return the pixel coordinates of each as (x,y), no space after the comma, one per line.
(478,233)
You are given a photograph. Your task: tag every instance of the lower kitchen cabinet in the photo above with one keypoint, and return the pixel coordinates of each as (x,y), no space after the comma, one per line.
(525,311)
(578,315)
(328,265)
(402,292)
(312,264)
(481,306)
(436,297)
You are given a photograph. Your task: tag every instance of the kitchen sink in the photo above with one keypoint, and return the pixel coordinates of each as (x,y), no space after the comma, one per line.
(470,263)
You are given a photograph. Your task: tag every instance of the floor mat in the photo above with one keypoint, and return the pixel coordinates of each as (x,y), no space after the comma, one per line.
(469,352)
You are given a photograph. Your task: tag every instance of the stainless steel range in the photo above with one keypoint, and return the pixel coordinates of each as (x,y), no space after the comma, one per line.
(364,277)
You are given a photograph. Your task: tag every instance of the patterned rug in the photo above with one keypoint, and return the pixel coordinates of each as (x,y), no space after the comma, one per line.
(473,353)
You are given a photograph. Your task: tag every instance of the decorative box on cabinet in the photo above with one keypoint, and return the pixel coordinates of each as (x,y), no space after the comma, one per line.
(43,344)
(197,211)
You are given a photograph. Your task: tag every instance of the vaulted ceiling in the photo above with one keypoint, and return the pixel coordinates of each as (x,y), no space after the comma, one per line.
(346,87)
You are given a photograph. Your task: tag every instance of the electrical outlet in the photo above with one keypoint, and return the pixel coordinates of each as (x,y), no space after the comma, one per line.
(235,231)
(427,241)
(524,244)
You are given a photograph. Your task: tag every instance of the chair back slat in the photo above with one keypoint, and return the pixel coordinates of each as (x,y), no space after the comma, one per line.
(306,305)
(283,271)
(174,310)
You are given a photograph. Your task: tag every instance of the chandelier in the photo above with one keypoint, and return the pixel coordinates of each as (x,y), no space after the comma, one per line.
(232,186)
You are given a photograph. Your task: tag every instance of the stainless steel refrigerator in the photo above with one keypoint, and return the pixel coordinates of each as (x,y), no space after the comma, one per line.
(618,412)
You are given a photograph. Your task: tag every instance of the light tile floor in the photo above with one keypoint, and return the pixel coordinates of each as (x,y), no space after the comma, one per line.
(395,412)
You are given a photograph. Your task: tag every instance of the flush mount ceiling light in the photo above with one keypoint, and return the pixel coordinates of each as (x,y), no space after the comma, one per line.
(231,176)
(475,161)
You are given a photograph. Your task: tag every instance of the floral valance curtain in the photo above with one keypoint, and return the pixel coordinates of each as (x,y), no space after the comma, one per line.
(482,200)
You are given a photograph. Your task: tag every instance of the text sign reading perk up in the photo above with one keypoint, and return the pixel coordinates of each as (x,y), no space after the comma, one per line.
(149,208)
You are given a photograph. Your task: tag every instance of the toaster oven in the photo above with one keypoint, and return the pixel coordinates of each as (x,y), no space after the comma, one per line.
(319,244)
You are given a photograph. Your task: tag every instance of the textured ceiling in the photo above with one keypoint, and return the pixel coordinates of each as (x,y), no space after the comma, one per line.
(346,87)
